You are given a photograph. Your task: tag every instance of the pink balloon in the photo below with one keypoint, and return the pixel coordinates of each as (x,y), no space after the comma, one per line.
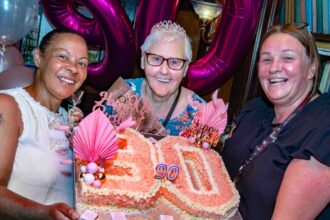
(110,19)
(16,76)
(149,13)
(11,57)
(232,39)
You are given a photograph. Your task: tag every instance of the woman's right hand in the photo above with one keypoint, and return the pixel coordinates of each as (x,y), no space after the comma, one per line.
(61,211)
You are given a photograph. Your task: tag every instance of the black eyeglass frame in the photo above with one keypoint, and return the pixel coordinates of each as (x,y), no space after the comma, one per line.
(167,59)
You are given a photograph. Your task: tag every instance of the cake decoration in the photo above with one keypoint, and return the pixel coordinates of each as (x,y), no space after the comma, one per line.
(166,217)
(95,143)
(202,190)
(170,173)
(118,216)
(75,114)
(88,215)
(208,124)
(145,178)
(95,139)
(92,174)
(123,103)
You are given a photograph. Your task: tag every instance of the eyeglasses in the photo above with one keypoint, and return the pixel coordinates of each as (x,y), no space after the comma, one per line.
(172,63)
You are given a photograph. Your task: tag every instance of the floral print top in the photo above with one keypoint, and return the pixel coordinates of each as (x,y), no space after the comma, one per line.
(178,124)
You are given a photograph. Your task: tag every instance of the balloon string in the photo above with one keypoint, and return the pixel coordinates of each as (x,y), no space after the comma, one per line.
(2,53)
(2,50)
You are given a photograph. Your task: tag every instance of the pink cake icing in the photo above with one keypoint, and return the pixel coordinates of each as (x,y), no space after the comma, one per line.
(202,188)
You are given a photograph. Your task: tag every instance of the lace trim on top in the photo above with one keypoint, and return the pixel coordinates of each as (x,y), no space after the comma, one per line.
(58,143)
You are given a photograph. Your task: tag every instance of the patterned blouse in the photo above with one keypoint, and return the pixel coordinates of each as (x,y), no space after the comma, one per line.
(174,125)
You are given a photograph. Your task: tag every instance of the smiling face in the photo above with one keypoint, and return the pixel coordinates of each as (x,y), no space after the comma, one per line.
(285,73)
(162,80)
(63,67)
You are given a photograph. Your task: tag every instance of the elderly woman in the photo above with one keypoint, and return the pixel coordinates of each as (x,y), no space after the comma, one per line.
(166,54)
(34,182)
(279,154)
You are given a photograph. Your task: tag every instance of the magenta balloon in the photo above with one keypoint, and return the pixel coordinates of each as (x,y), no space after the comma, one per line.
(149,13)
(119,55)
(230,44)
(62,14)
(16,76)
(119,43)
(233,37)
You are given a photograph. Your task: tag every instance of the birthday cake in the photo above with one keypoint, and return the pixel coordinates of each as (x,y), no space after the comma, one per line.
(119,170)
(201,189)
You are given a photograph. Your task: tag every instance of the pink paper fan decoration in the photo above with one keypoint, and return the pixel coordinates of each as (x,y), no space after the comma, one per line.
(95,138)
(213,114)
(208,124)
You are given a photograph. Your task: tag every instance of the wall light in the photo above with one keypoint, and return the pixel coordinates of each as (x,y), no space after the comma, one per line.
(208,11)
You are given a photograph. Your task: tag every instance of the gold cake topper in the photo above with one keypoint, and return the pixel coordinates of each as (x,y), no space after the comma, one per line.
(202,135)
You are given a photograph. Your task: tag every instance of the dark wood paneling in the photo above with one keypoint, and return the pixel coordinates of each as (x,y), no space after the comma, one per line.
(246,84)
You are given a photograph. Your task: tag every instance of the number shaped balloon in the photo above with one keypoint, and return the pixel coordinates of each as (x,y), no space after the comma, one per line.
(229,46)
(109,27)
(149,13)
(230,43)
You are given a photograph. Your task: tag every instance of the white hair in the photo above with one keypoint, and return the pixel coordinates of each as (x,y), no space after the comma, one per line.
(164,32)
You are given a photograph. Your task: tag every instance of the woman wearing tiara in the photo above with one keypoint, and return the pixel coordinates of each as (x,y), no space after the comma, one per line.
(166,54)
(35,183)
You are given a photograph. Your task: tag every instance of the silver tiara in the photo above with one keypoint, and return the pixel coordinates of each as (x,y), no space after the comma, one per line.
(168,26)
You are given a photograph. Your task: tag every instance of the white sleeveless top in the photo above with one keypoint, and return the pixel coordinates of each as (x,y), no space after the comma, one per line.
(38,172)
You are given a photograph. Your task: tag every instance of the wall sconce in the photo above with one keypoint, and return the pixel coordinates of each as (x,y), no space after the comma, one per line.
(207,11)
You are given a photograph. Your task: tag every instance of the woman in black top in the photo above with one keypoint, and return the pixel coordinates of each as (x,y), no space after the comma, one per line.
(279,151)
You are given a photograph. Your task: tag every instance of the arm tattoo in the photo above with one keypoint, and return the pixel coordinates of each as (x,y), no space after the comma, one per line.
(1,119)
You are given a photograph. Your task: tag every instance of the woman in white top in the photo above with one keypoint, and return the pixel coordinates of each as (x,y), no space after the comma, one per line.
(34,181)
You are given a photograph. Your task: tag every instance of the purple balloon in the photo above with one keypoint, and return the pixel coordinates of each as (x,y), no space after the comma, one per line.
(149,13)
(119,55)
(119,43)
(232,39)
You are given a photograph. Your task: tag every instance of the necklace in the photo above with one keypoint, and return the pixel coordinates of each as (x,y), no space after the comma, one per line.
(175,102)
(275,125)
(169,114)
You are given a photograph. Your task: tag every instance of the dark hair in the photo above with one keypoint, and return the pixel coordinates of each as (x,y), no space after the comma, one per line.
(300,32)
(47,39)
